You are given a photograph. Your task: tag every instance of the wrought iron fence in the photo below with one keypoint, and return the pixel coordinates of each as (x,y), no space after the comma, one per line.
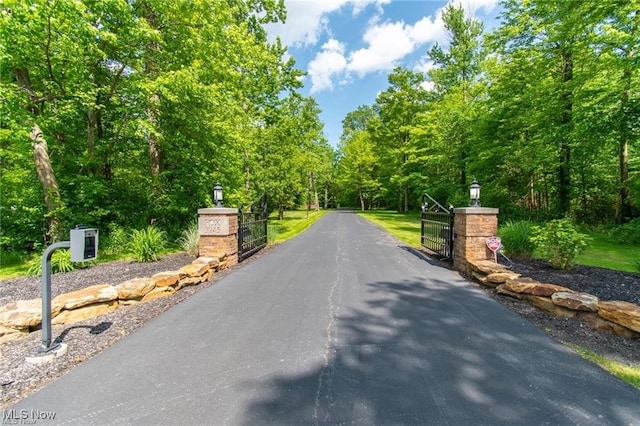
(436,230)
(252,229)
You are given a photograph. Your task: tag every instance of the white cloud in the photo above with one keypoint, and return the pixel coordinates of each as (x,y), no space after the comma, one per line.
(307,19)
(389,42)
(330,62)
(473,6)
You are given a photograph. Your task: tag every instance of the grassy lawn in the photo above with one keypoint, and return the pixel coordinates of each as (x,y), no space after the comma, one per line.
(294,223)
(405,227)
(605,254)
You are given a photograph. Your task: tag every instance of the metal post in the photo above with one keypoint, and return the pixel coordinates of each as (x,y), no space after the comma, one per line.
(46,295)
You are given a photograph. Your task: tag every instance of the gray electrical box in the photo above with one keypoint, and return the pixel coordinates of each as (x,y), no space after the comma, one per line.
(84,244)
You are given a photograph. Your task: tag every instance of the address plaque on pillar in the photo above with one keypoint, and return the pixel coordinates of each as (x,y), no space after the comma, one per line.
(213,225)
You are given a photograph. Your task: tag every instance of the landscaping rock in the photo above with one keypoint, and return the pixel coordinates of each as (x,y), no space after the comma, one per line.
(575,301)
(529,286)
(87,296)
(168,278)
(158,292)
(598,323)
(84,312)
(546,304)
(624,313)
(502,277)
(195,269)
(135,288)
(25,313)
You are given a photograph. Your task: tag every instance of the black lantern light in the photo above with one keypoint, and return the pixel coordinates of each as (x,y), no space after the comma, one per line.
(474,192)
(217,195)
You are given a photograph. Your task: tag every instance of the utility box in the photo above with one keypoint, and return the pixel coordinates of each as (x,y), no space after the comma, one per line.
(84,244)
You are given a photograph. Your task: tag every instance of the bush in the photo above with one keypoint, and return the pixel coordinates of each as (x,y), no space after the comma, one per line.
(60,262)
(629,233)
(145,245)
(559,242)
(515,237)
(116,240)
(190,239)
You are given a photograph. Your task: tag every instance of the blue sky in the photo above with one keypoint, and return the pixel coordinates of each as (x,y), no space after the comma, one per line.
(348,47)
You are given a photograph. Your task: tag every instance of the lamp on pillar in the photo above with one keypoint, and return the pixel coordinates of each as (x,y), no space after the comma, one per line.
(217,195)
(474,192)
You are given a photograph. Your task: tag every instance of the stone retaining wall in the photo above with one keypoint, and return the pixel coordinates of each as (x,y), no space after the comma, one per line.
(617,317)
(19,318)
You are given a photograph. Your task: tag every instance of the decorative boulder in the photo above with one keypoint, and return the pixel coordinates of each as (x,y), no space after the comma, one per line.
(158,292)
(502,277)
(211,261)
(598,323)
(529,286)
(626,314)
(575,301)
(169,278)
(135,288)
(8,334)
(87,296)
(195,269)
(25,313)
(486,266)
(85,312)
(545,304)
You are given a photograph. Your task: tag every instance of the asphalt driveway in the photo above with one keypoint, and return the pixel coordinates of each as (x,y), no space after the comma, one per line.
(341,325)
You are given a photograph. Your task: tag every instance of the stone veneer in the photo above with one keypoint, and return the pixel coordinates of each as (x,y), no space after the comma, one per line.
(218,231)
(19,318)
(617,317)
(472,227)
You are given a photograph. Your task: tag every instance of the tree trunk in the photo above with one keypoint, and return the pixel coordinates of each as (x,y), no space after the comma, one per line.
(48,181)
(326,197)
(623,209)
(362,205)
(564,170)
(92,124)
(154,145)
(315,193)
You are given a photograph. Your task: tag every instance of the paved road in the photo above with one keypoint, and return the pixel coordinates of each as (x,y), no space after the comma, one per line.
(341,325)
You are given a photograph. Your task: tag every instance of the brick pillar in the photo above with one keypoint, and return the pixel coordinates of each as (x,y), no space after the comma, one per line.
(218,230)
(472,226)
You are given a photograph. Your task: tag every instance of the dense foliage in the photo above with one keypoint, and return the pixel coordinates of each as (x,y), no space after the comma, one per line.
(122,114)
(548,121)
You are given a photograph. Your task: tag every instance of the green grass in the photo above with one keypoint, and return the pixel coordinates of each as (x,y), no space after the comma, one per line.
(624,372)
(405,227)
(606,254)
(294,223)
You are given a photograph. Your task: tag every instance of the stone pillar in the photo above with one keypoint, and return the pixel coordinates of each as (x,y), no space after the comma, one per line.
(218,230)
(472,226)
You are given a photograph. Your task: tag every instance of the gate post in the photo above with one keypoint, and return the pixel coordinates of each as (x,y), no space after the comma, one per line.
(218,230)
(472,227)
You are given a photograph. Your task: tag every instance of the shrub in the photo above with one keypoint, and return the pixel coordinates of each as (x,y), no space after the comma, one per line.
(629,233)
(116,240)
(559,242)
(60,262)
(516,238)
(145,245)
(190,239)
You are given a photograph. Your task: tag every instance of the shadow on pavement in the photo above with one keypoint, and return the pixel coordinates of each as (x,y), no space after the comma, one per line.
(407,357)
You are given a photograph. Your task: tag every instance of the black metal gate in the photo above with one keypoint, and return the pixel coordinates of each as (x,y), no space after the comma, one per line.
(252,229)
(436,231)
